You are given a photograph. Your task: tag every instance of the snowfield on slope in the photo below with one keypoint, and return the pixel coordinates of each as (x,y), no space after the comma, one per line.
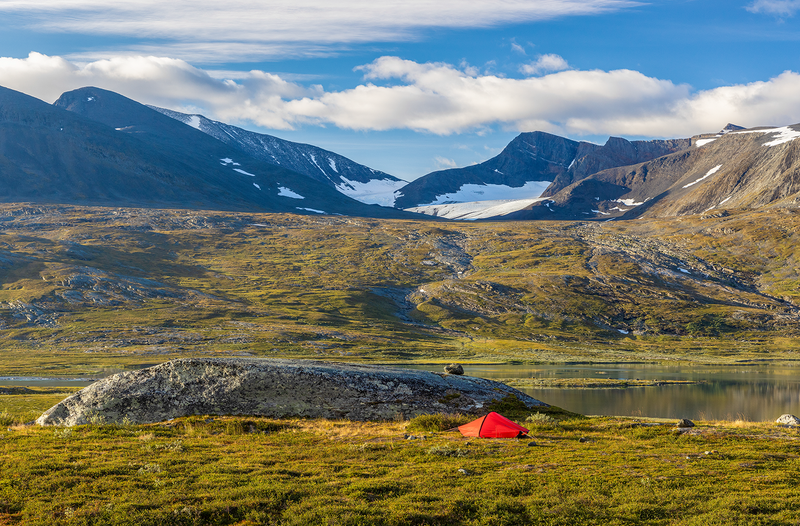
(286,192)
(706,176)
(475,209)
(375,192)
(784,134)
(491,192)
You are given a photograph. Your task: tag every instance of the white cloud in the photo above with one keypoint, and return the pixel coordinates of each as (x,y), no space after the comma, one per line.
(212,31)
(775,7)
(255,96)
(519,49)
(545,64)
(444,162)
(431,97)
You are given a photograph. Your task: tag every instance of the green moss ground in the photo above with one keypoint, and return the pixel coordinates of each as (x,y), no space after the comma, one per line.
(224,470)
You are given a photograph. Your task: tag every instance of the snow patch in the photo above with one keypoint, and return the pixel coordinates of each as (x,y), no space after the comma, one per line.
(89,99)
(243,172)
(572,163)
(498,171)
(706,176)
(257,186)
(628,202)
(476,209)
(784,134)
(683,270)
(194,121)
(703,142)
(311,210)
(623,331)
(227,160)
(491,192)
(375,192)
(333,165)
(599,212)
(285,192)
(314,160)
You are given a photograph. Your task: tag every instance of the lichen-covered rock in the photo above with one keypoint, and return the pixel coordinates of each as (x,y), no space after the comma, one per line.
(788,420)
(274,388)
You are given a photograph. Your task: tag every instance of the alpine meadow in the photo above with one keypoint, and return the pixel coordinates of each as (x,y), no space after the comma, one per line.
(469,262)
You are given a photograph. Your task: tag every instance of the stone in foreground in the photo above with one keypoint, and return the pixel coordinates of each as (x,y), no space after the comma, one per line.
(274,389)
(788,420)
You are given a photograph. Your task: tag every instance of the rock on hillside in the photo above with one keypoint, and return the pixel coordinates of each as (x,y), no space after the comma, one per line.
(274,388)
(348,177)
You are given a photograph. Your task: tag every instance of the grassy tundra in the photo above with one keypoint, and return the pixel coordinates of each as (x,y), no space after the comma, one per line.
(224,470)
(84,291)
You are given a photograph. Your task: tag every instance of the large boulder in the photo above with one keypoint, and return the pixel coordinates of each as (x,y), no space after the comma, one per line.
(274,388)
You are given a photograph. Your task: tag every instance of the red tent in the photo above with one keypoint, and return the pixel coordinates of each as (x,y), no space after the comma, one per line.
(493,425)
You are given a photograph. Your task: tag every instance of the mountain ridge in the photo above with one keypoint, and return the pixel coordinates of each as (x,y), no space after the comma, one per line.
(537,164)
(347,176)
(202,164)
(749,168)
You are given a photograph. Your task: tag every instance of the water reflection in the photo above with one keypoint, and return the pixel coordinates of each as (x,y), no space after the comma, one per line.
(748,393)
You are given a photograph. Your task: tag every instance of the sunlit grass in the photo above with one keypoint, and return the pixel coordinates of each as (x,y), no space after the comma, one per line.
(225,470)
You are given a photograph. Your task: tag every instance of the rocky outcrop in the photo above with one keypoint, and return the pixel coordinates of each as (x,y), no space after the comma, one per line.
(454,368)
(276,389)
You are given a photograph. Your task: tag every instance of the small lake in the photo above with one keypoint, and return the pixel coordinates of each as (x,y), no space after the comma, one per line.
(723,393)
(726,393)
(39,381)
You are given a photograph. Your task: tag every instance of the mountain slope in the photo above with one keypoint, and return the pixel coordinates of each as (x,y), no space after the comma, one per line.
(735,169)
(532,165)
(348,177)
(207,172)
(51,155)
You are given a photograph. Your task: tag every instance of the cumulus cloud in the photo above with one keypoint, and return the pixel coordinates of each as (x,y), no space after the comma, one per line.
(437,98)
(209,30)
(775,7)
(254,96)
(545,64)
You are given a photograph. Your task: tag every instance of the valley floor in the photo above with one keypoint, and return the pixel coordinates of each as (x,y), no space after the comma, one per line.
(86,291)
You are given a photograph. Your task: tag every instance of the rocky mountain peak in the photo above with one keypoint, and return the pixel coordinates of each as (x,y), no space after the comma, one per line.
(732,127)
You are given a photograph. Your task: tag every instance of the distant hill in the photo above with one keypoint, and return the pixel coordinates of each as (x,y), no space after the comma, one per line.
(732,169)
(532,165)
(97,147)
(49,155)
(348,177)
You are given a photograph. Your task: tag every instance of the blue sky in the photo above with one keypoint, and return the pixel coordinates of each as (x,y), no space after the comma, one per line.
(412,86)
